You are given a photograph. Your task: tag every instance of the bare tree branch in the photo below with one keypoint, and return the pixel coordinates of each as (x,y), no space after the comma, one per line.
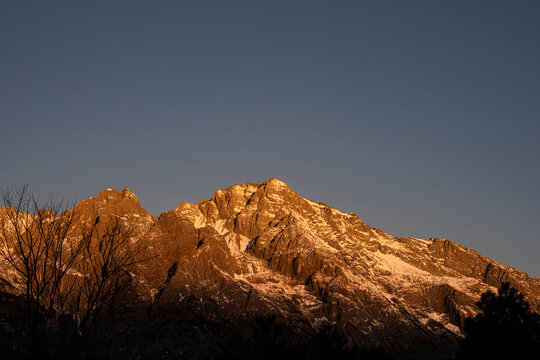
(61,266)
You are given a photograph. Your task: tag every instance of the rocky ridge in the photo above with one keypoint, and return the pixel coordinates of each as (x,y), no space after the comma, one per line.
(263,249)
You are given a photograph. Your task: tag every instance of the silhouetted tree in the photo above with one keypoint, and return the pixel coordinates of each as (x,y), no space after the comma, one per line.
(330,343)
(35,248)
(101,272)
(505,328)
(63,273)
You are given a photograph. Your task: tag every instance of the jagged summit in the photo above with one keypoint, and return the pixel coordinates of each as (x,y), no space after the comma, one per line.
(272,191)
(271,185)
(276,183)
(126,193)
(113,195)
(112,201)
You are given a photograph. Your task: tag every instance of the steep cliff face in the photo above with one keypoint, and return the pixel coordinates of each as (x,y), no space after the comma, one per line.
(263,249)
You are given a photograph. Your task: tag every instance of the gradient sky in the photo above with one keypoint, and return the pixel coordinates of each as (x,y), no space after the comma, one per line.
(422,117)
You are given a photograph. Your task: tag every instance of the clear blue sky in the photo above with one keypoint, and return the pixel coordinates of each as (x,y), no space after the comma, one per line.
(422,117)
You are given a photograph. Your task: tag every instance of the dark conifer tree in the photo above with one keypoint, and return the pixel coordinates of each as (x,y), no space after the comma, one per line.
(505,328)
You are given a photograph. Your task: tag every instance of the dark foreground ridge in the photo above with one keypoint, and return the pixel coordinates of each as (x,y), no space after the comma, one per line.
(254,270)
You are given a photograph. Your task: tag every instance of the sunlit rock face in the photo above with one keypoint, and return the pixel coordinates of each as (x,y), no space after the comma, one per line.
(262,249)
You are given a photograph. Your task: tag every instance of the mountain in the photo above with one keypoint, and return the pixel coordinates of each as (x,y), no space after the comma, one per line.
(257,250)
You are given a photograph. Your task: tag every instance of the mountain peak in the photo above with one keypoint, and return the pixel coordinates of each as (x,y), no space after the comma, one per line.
(275,187)
(128,194)
(108,194)
(114,194)
(274,182)
(112,200)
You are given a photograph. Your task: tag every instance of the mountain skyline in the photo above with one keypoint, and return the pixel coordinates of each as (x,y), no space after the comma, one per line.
(421,117)
(363,216)
(256,251)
